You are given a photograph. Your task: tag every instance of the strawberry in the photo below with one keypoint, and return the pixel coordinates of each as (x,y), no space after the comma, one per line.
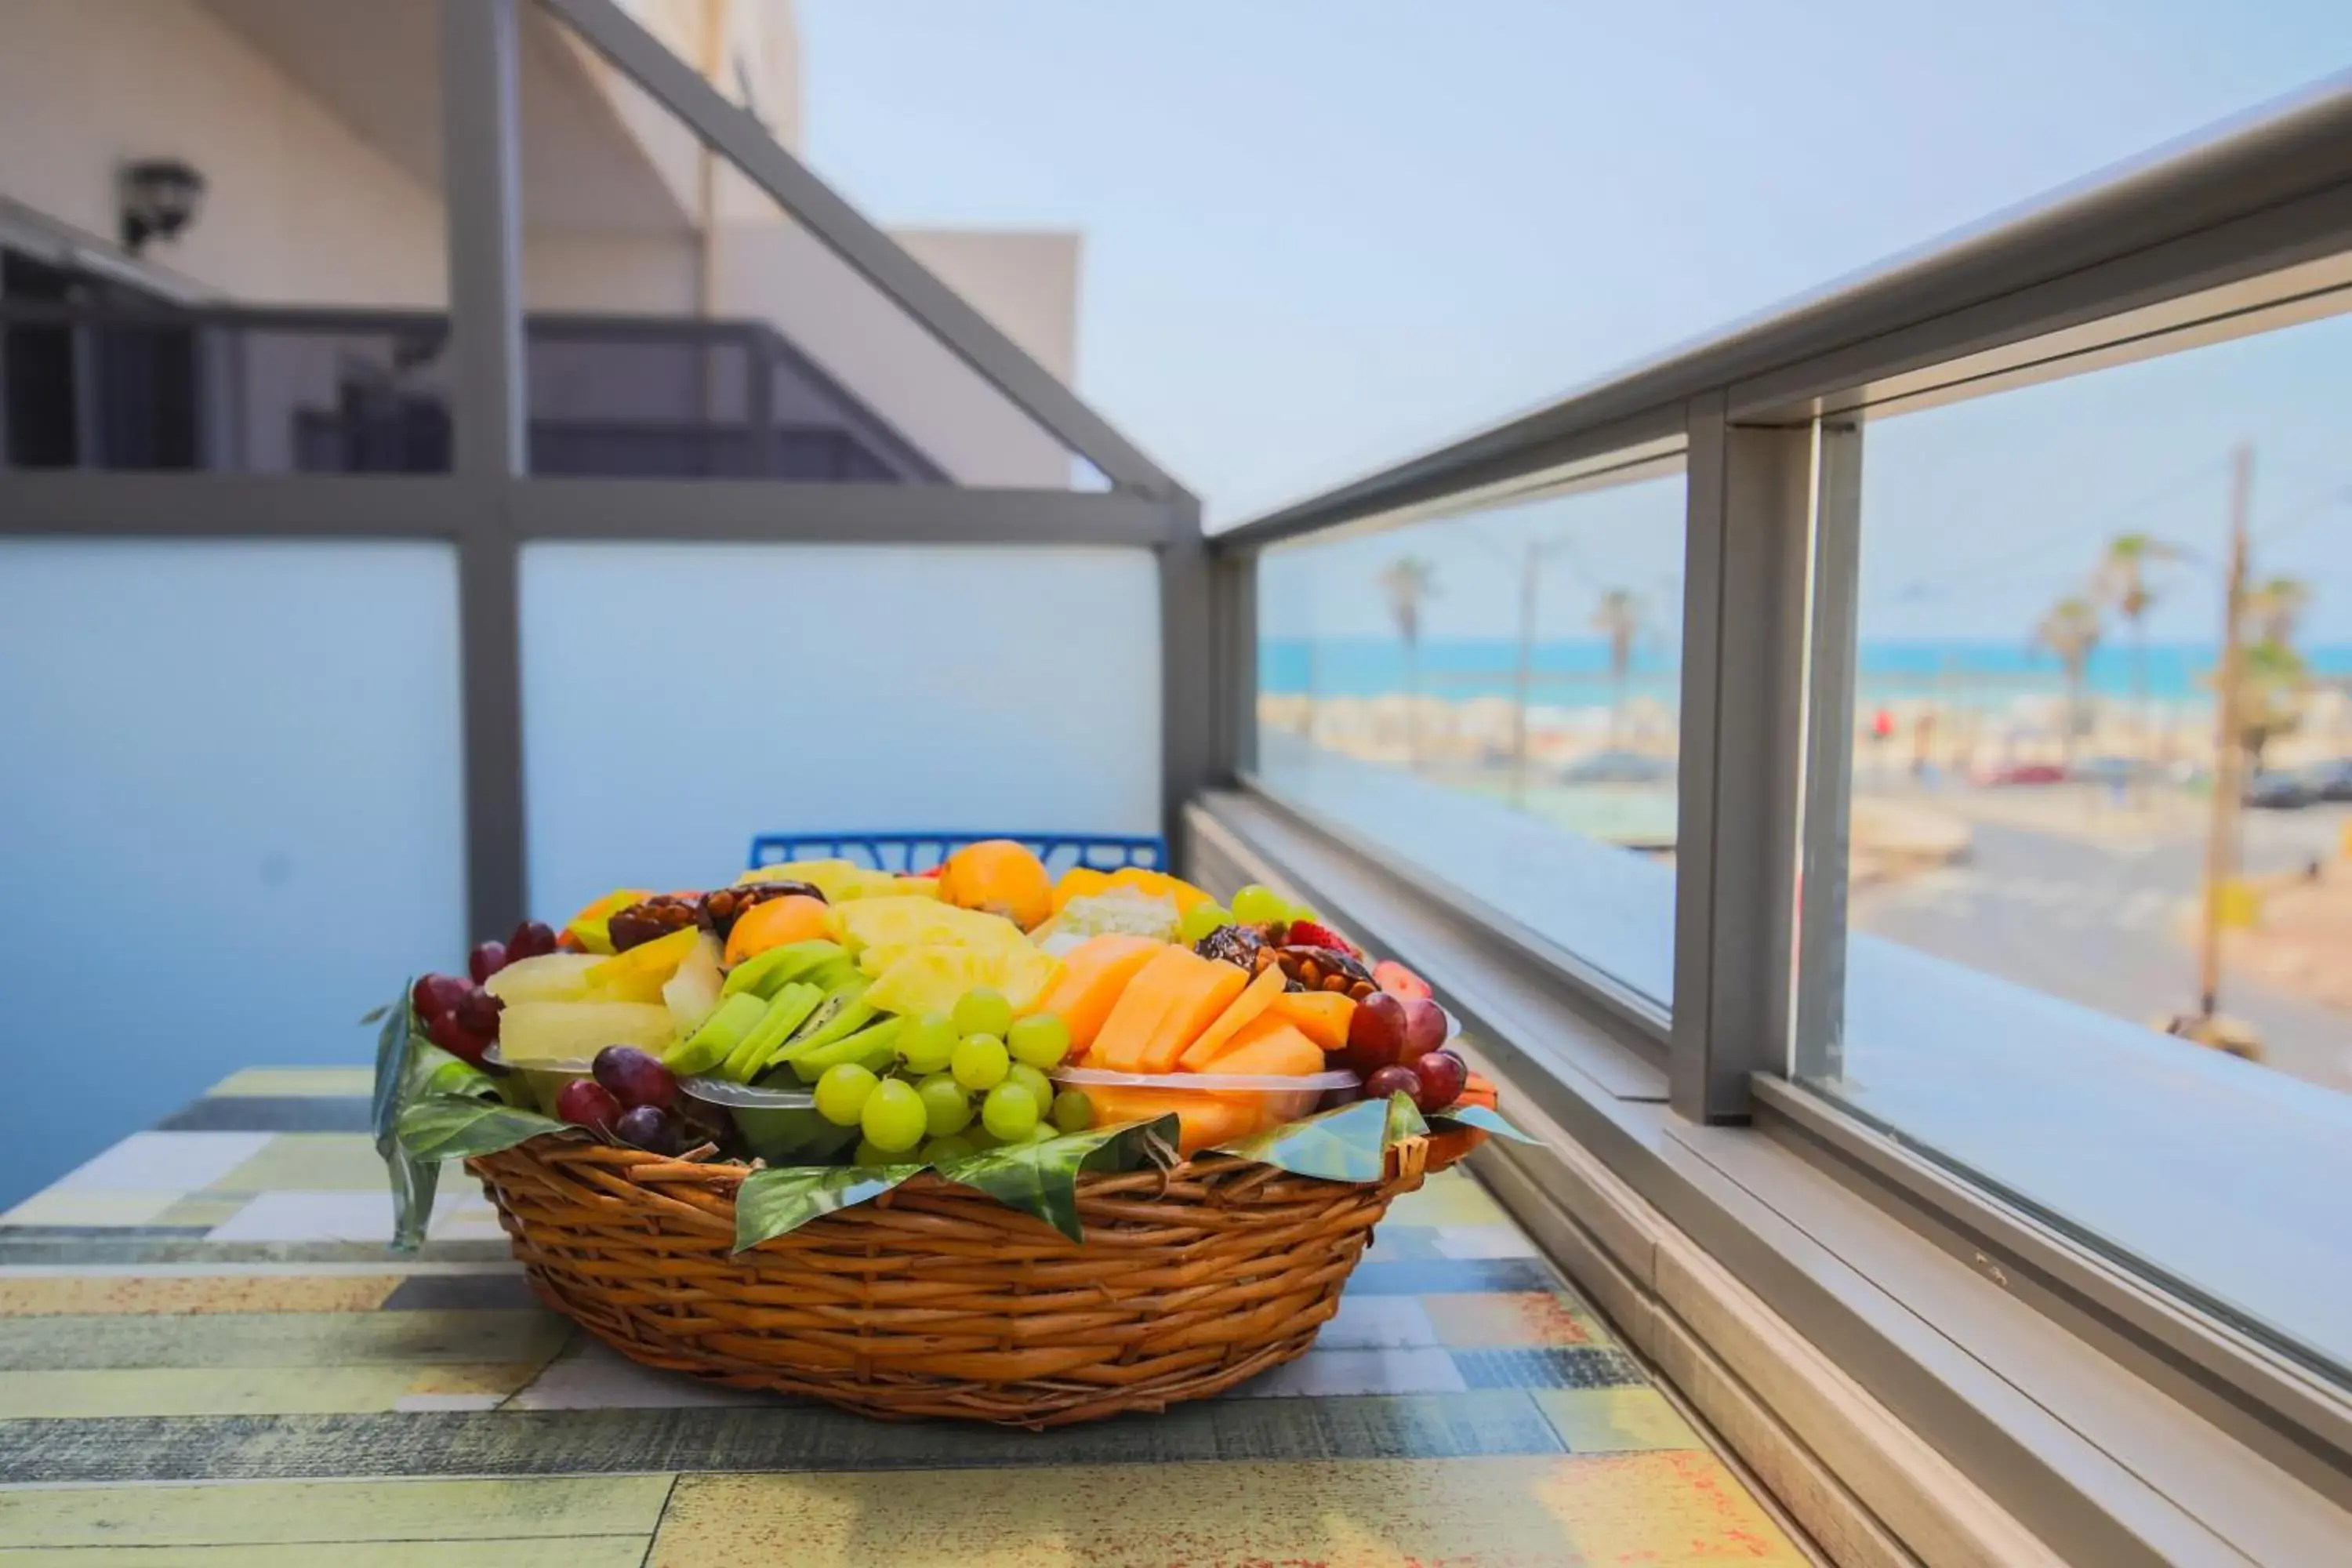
(1397,980)
(1314,933)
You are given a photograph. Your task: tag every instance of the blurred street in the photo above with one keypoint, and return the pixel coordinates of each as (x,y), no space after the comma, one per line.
(2103,915)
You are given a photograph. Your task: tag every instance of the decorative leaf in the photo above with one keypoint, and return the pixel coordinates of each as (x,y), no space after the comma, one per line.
(453,1127)
(1486,1120)
(1350,1145)
(413,1179)
(771,1202)
(372,1014)
(1042,1179)
(1404,1122)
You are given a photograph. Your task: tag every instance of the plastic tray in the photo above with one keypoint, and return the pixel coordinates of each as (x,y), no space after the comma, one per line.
(909,852)
(1211,1108)
(746,1096)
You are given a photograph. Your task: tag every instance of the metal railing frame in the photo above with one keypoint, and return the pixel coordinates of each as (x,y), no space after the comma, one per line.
(1766,413)
(488,506)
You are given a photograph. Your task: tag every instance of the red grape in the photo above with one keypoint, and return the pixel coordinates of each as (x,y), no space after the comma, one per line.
(445,1031)
(1425,1028)
(435,994)
(486,960)
(649,1127)
(1392,1080)
(532,939)
(587,1103)
(1375,1033)
(1441,1075)
(478,1014)
(634,1077)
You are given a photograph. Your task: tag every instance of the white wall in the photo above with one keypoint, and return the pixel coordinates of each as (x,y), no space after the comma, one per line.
(636,273)
(1025,281)
(298,209)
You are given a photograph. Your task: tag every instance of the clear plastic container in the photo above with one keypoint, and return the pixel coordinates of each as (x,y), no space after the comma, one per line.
(780,1124)
(542,1080)
(1213,1107)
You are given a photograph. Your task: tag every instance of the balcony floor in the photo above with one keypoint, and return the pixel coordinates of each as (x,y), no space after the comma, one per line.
(211,1302)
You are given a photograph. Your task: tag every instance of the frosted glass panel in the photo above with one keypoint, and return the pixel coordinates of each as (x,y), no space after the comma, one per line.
(229,775)
(679,698)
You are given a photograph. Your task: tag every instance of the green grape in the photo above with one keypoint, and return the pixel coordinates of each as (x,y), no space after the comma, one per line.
(893,1118)
(867,1154)
(982,1011)
(980,1062)
(1040,1086)
(841,1094)
(1009,1113)
(1260,905)
(940,1151)
(1073,1111)
(947,1109)
(926,1041)
(1041,1041)
(1040,1134)
(1202,919)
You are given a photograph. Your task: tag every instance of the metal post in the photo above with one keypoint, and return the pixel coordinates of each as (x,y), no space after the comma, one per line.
(480,183)
(1750,511)
(1189,674)
(1817,1048)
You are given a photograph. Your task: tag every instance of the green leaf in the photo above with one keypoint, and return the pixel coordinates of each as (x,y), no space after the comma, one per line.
(456,1127)
(1486,1120)
(1350,1145)
(771,1202)
(412,1181)
(1042,1179)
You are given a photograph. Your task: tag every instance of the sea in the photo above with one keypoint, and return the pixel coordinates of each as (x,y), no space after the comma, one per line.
(1574,672)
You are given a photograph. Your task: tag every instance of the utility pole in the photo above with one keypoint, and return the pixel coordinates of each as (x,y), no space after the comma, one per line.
(1523,681)
(2229,788)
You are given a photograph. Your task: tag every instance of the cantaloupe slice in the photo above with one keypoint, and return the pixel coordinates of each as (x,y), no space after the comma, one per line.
(1280,1051)
(1094,974)
(1136,1016)
(1206,993)
(1321,1016)
(1203,1119)
(1218,1037)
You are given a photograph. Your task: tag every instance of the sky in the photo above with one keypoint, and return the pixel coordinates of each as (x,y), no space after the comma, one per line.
(1323,234)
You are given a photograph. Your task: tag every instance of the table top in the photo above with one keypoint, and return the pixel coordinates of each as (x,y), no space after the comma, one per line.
(211,1304)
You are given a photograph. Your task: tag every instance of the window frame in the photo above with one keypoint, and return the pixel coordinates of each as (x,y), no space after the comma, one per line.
(1770,412)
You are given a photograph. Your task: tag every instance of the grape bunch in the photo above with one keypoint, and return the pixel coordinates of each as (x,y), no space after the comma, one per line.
(967,1079)
(629,1096)
(458,1015)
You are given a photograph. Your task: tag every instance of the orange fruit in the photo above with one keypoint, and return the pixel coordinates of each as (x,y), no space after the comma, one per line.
(1002,878)
(795,916)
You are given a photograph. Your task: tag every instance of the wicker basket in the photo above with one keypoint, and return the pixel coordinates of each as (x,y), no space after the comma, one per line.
(934,1299)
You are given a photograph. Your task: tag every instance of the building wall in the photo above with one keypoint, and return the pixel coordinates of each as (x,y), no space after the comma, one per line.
(298,210)
(603,273)
(1023,280)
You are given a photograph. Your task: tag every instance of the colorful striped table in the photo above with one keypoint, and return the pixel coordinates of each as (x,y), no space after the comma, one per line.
(208,1357)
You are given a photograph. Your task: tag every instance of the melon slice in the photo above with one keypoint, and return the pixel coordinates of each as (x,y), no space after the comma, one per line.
(1206,993)
(1218,1037)
(1321,1016)
(1094,976)
(1280,1051)
(1135,1018)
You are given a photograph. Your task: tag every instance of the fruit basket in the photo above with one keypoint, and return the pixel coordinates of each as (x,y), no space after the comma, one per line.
(972,1141)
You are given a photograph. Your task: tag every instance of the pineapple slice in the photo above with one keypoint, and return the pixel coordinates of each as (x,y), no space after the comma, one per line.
(544,1033)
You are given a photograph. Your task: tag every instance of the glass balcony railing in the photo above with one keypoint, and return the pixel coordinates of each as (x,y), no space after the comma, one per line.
(231,389)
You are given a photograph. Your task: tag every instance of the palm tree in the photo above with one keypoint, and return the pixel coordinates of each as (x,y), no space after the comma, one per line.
(2070,629)
(1618,617)
(2275,607)
(1408,582)
(2121,580)
(2270,705)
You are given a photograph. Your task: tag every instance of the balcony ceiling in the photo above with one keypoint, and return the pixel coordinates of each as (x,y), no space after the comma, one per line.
(596,154)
